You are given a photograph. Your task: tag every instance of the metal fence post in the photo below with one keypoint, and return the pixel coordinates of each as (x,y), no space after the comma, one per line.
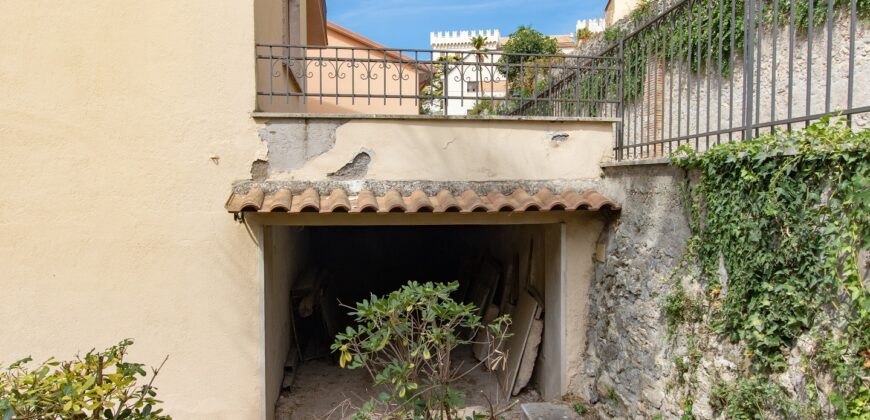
(620,70)
(445,86)
(748,63)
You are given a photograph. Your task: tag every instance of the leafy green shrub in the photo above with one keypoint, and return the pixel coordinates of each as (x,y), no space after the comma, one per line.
(100,385)
(404,340)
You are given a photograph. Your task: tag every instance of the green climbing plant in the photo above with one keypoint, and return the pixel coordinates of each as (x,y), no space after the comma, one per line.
(785,216)
(703,35)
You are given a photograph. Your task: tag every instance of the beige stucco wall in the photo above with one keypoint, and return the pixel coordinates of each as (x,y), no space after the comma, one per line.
(580,251)
(477,150)
(285,250)
(618,9)
(122,127)
(112,223)
(277,23)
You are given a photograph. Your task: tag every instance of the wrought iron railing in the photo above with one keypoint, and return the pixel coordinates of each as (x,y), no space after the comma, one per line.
(701,73)
(711,71)
(445,82)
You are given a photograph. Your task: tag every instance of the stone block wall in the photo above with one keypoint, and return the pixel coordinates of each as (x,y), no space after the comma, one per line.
(630,363)
(626,365)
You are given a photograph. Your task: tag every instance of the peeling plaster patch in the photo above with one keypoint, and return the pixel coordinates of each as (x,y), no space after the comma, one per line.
(259,170)
(291,143)
(355,169)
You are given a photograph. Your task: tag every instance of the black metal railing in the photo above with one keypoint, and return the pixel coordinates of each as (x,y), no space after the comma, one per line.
(701,73)
(711,71)
(438,82)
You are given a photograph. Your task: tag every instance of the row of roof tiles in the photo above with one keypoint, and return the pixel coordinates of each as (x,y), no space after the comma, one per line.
(339,201)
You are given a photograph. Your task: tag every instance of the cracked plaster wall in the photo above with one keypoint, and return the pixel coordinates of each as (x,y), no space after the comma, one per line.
(315,150)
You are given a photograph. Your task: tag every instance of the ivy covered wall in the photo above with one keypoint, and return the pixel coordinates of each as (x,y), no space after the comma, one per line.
(733,284)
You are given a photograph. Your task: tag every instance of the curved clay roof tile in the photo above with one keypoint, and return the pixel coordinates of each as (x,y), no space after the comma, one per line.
(337,202)
(525,202)
(597,201)
(366,202)
(419,202)
(550,201)
(393,202)
(253,200)
(447,202)
(470,202)
(498,202)
(279,201)
(308,201)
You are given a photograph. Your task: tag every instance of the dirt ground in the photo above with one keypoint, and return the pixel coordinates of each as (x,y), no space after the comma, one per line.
(322,390)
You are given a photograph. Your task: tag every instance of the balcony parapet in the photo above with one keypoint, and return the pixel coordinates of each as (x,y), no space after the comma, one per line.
(413,148)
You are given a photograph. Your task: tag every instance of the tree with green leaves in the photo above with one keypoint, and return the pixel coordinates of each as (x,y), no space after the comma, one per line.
(525,40)
(479,44)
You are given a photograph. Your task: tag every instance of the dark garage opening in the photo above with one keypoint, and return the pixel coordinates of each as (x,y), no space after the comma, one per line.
(309,270)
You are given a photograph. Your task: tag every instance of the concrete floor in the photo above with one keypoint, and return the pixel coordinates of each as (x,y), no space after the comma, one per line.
(322,390)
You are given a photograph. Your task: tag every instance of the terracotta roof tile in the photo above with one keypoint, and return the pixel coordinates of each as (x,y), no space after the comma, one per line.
(339,201)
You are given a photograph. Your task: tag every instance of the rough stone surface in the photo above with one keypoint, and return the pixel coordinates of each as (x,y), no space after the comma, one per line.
(626,362)
(629,368)
(355,169)
(259,170)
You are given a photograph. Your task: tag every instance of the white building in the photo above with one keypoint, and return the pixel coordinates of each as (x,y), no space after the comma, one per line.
(594,25)
(466,83)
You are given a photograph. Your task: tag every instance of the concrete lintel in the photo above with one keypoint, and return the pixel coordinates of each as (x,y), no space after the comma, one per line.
(420,219)
(293,115)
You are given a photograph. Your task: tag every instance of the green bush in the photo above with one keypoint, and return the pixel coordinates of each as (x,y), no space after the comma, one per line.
(404,340)
(100,385)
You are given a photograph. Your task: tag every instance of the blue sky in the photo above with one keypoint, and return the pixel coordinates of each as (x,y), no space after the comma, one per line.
(407,23)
